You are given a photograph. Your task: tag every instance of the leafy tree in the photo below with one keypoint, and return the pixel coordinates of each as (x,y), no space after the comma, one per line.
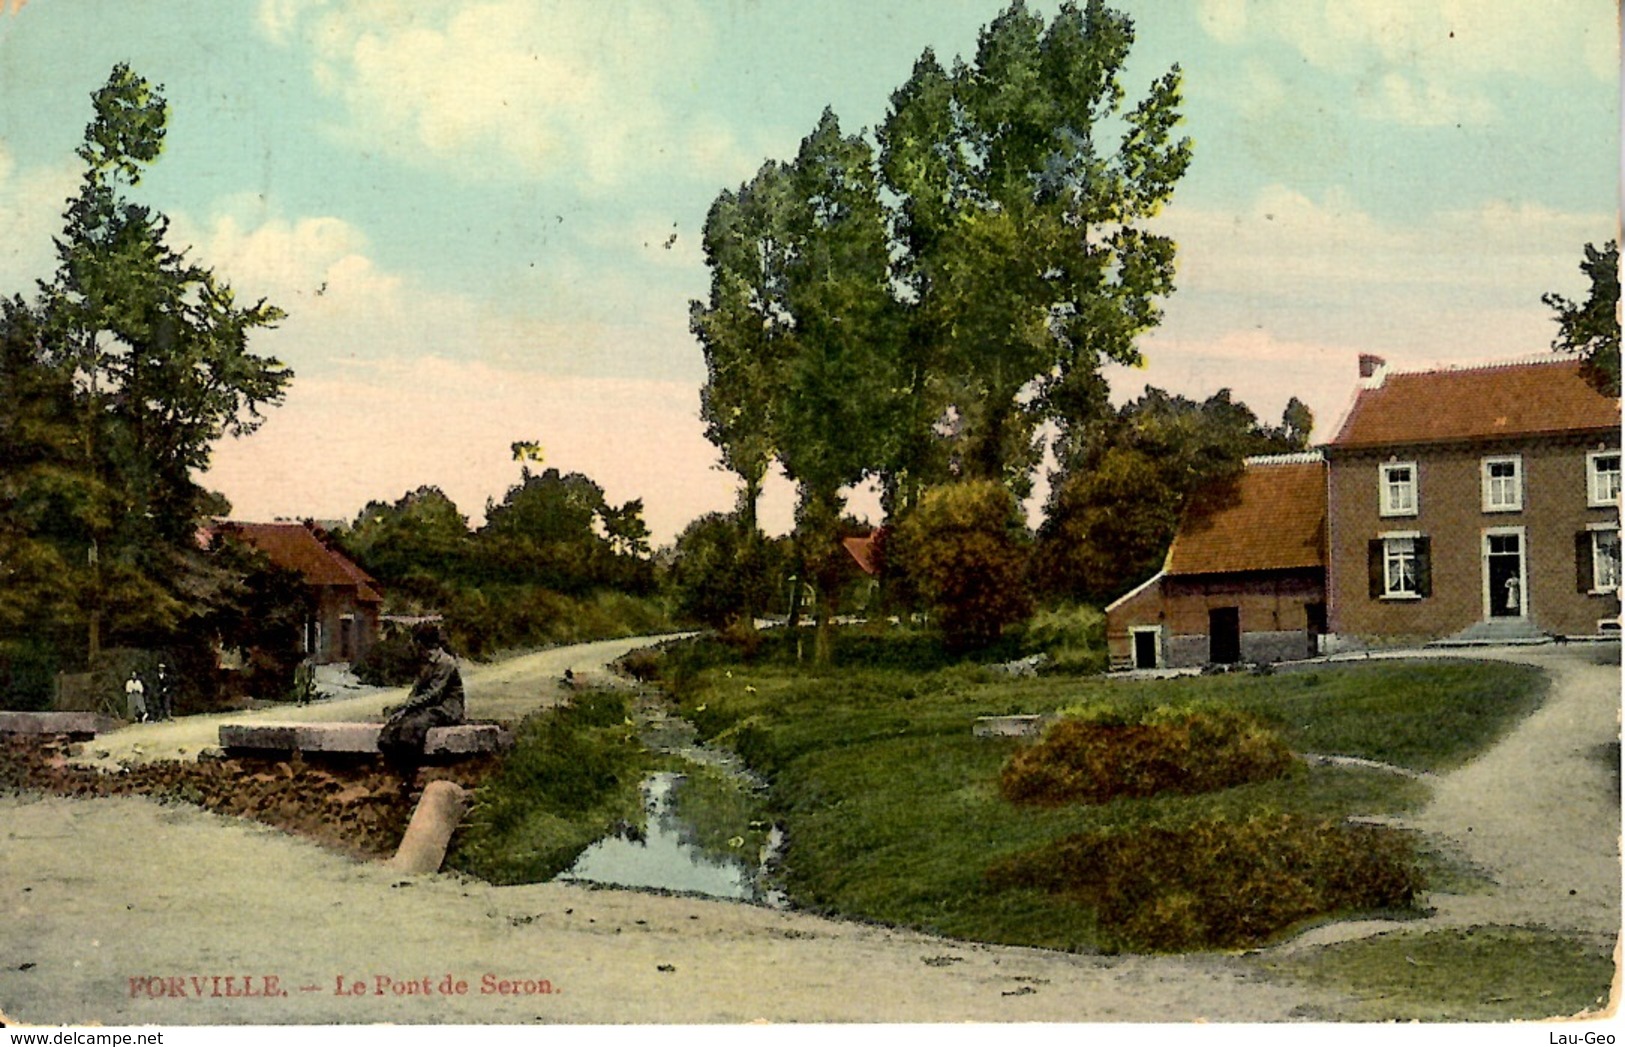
(142,354)
(559,531)
(964,548)
(839,398)
(742,327)
(415,547)
(45,500)
(718,575)
(1116,502)
(1591,329)
(1023,248)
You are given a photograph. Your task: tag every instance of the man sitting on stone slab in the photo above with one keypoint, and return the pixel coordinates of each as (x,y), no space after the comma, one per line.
(436,700)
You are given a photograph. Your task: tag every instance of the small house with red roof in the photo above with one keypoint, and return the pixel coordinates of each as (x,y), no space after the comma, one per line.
(1476,503)
(1245,577)
(346,599)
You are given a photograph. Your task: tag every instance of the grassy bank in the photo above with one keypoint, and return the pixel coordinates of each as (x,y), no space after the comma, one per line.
(893,807)
(571,778)
(1471,974)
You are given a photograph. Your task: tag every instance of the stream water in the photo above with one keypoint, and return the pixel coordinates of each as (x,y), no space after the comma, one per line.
(667,854)
(699,833)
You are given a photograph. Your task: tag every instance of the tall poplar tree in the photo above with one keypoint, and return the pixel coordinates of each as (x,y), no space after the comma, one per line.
(1025,188)
(154,351)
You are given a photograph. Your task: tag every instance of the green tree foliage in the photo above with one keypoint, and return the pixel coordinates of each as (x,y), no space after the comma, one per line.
(742,327)
(913,314)
(132,361)
(557,530)
(46,501)
(965,549)
(159,342)
(1591,328)
(414,546)
(1127,478)
(1023,248)
(840,393)
(719,575)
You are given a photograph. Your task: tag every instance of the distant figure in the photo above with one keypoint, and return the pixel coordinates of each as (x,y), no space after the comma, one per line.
(436,700)
(135,698)
(569,680)
(161,708)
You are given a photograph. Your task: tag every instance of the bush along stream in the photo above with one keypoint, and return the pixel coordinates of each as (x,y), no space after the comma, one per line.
(615,790)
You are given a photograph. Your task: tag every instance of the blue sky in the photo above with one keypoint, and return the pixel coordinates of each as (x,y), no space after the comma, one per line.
(468,208)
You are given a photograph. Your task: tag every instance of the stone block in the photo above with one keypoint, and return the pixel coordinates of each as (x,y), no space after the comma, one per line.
(1023,726)
(467,739)
(359,738)
(339,737)
(261,737)
(73,724)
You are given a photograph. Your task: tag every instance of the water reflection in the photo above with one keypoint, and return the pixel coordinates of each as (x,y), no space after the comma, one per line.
(666,855)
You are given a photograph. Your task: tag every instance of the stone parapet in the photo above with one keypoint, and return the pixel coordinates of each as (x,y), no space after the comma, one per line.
(358,738)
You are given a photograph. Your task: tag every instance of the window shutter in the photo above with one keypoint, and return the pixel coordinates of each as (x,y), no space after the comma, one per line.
(1583,579)
(1374,566)
(1424,567)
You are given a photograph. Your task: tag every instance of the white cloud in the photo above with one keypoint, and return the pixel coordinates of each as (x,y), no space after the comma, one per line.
(1543,39)
(500,87)
(1429,64)
(1422,102)
(31,204)
(1297,246)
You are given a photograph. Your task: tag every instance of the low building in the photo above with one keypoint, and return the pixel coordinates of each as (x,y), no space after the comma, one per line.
(1474,503)
(346,599)
(1245,577)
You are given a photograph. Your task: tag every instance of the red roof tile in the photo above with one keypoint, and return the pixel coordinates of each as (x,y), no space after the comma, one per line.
(1520,399)
(862,550)
(1273,519)
(296,547)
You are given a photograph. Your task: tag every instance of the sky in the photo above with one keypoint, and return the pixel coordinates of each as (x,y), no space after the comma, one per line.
(482,217)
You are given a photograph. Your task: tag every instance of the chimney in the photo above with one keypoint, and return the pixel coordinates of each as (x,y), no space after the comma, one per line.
(1370,365)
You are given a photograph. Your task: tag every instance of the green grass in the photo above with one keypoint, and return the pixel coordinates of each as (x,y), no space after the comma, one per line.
(574,773)
(1475,974)
(893,808)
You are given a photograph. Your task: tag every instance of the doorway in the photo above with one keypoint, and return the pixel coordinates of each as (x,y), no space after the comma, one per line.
(1506,588)
(1224,635)
(1145,648)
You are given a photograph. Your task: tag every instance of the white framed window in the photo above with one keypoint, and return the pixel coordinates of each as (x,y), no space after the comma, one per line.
(1397,494)
(1399,566)
(1604,559)
(1503,483)
(1602,478)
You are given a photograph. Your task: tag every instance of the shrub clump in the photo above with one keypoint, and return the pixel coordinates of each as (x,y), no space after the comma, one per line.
(1220,884)
(964,549)
(1073,636)
(1099,757)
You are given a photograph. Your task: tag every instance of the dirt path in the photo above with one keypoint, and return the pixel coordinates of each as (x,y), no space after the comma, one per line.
(94,894)
(1539,812)
(504,690)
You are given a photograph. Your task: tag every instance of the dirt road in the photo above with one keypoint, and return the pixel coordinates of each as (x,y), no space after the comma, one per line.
(123,911)
(504,690)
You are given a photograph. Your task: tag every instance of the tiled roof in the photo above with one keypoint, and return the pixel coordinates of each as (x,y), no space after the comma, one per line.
(296,547)
(862,550)
(1517,399)
(1274,518)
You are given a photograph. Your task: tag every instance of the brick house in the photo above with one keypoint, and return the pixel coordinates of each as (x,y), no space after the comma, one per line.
(1474,503)
(347,600)
(1245,577)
